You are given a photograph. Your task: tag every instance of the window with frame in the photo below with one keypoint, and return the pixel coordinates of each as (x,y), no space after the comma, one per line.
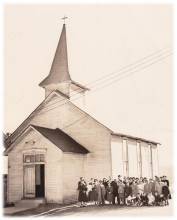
(39,157)
(29,158)
(32,158)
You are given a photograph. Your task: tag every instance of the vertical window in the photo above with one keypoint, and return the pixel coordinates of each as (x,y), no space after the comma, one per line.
(125,157)
(133,158)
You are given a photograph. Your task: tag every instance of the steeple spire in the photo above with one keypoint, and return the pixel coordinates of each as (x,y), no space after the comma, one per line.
(59,71)
(59,78)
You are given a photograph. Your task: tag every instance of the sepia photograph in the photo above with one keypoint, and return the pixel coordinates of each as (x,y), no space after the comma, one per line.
(87,110)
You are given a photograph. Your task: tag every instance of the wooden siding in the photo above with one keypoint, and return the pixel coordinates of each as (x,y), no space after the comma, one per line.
(53,168)
(134,158)
(73,165)
(85,130)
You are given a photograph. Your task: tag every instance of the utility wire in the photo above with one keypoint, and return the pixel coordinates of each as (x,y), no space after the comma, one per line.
(97,82)
(112,82)
(144,67)
(115,80)
(132,64)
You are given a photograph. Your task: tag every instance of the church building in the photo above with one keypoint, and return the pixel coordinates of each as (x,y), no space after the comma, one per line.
(59,142)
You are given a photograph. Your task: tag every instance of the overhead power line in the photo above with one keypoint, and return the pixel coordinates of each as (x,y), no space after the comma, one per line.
(110,83)
(138,62)
(120,72)
(113,79)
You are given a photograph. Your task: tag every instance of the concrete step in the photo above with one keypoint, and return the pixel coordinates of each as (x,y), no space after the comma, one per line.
(30,203)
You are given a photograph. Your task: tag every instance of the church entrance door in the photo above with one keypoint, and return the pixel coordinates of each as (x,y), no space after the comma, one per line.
(34,184)
(29,181)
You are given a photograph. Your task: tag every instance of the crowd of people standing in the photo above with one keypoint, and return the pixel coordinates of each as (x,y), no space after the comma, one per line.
(124,191)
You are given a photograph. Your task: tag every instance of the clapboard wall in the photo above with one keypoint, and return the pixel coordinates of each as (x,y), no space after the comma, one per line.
(53,167)
(80,126)
(141,160)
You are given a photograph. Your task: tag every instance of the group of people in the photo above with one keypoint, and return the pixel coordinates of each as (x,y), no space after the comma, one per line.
(129,191)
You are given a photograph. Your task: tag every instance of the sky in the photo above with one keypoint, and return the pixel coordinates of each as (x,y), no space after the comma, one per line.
(101,40)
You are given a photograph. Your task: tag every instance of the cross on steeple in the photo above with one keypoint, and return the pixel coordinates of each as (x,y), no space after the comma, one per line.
(64,18)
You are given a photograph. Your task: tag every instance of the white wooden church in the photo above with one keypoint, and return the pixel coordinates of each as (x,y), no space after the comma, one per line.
(59,142)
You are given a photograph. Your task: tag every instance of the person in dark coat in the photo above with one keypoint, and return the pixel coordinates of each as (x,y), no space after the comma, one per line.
(82,187)
(165,193)
(105,183)
(127,191)
(90,192)
(109,191)
(164,179)
(94,192)
(146,187)
(168,184)
(114,191)
(98,188)
(134,188)
(103,193)
(121,187)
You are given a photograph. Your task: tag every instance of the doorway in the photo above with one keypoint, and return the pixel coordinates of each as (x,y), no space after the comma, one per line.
(39,181)
(34,181)
(29,181)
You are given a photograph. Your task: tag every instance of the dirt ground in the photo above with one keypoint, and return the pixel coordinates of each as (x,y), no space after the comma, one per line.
(106,210)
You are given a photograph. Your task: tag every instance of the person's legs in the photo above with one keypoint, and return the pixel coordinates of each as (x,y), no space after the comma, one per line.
(103,199)
(124,200)
(118,199)
(113,199)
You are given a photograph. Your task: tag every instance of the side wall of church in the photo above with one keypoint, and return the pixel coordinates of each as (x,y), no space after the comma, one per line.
(73,169)
(53,167)
(133,158)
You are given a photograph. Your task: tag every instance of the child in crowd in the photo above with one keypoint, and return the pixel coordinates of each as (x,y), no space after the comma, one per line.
(138,201)
(128,200)
(161,200)
(151,199)
(157,199)
(144,199)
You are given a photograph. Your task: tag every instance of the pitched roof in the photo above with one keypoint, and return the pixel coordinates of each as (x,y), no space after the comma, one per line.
(59,70)
(135,138)
(61,140)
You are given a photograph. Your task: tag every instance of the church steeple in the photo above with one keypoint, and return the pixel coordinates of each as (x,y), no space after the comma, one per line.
(59,71)
(59,77)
